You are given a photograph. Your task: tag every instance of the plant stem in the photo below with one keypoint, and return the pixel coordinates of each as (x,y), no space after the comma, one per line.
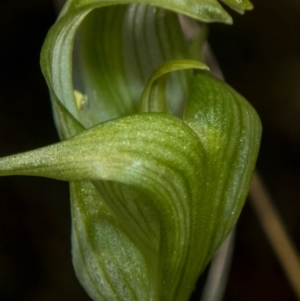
(219,270)
(275,230)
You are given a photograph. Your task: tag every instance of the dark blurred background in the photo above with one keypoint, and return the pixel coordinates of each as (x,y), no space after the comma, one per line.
(259,56)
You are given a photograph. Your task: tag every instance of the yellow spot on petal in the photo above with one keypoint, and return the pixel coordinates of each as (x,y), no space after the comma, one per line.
(81,100)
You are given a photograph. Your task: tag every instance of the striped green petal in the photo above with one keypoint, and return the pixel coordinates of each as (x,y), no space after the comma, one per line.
(148,170)
(118,58)
(153,98)
(238,5)
(152,195)
(100,54)
(230,131)
(162,193)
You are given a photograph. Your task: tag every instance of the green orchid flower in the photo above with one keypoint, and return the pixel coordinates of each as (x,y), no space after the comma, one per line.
(159,153)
